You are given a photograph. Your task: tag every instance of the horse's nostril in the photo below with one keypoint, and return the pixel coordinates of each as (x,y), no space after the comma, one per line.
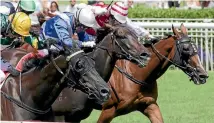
(92,96)
(104,91)
(145,54)
(203,76)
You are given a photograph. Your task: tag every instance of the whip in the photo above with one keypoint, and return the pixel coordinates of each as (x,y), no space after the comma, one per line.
(12,17)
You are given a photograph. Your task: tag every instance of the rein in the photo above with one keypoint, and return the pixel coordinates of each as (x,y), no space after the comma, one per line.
(23,105)
(177,65)
(130,77)
(157,52)
(115,42)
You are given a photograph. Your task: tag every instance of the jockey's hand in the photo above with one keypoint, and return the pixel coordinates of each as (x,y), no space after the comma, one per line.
(90,44)
(17,42)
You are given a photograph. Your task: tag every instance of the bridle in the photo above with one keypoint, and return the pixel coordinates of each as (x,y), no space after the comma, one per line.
(177,60)
(71,83)
(122,54)
(184,67)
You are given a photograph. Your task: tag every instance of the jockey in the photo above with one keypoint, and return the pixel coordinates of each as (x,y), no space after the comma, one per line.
(117,14)
(26,6)
(19,30)
(62,27)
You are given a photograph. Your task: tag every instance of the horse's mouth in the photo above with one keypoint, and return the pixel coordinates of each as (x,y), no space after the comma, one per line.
(97,99)
(200,79)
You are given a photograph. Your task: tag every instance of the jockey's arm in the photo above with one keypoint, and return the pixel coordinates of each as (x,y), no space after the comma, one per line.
(140,31)
(34,42)
(6,40)
(63,34)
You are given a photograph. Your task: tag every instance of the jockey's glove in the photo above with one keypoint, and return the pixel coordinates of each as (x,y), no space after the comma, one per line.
(89,44)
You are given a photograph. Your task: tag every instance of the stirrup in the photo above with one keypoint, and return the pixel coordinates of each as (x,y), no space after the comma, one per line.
(13,71)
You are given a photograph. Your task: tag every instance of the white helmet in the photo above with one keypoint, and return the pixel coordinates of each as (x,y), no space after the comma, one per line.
(86,17)
(120,11)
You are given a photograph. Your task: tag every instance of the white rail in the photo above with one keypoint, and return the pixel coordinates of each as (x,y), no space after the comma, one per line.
(201,33)
(173,20)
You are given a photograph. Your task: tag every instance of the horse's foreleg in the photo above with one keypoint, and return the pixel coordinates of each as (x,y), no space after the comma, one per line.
(107,115)
(152,111)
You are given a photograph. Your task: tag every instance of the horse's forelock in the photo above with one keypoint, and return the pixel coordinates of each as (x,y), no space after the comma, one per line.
(128,30)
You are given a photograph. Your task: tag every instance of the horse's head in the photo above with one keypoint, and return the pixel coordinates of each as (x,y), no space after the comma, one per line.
(186,54)
(90,81)
(126,45)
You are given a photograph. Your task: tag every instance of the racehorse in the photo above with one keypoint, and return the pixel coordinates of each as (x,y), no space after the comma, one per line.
(123,45)
(30,95)
(127,94)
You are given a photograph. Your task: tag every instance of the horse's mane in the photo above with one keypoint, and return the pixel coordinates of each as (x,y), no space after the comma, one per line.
(128,28)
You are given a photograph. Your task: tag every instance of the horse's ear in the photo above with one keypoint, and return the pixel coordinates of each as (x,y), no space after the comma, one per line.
(109,26)
(183,29)
(176,33)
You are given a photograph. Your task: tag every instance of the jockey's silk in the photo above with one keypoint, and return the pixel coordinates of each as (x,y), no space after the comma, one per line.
(100,19)
(61,28)
(5,41)
(33,41)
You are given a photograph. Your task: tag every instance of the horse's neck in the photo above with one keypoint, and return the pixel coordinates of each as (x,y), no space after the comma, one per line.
(158,65)
(105,60)
(40,88)
(50,85)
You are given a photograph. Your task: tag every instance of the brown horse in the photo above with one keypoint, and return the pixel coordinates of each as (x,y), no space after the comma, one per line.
(127,96)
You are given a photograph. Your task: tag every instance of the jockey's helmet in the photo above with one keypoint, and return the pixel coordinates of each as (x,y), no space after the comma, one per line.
(28,5)
(86,17)
(21,23)
(119,10)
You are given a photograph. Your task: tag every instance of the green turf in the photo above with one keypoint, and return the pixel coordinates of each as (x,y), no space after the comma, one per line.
(179,99)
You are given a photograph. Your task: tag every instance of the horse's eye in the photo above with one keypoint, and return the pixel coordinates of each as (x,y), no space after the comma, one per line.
(120,33)
(79,65)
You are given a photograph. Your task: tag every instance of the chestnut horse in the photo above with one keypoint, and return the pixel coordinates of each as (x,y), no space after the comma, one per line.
(127,96)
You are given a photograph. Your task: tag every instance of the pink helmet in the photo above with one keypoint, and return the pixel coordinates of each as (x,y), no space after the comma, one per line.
(120,11)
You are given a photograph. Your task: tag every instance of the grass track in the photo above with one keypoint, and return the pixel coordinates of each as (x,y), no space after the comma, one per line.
(180,101)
